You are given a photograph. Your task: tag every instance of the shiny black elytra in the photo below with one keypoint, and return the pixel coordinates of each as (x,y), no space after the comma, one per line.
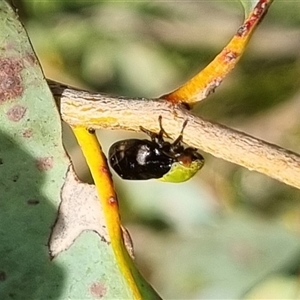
(136,159)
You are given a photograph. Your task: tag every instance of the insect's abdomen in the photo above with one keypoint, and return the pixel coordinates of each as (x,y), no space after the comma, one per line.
(138,160)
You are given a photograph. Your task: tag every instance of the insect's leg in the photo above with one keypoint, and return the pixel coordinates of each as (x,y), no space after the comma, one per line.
(177,142)
(162,132)
(151,134)
(156,137)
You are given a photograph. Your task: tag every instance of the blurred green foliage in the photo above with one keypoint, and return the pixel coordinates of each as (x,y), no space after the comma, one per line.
(143,48)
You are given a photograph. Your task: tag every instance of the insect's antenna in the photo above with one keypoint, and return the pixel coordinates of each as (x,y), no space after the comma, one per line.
(180,137)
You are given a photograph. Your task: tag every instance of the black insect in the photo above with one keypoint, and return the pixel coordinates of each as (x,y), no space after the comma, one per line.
(136,159)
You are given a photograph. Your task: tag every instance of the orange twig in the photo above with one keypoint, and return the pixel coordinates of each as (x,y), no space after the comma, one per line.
(207,80)
(97,163)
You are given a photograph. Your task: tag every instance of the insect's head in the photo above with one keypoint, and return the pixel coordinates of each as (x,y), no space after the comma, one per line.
(187,161)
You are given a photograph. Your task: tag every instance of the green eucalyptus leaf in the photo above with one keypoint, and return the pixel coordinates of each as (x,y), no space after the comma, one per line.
(43,254)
